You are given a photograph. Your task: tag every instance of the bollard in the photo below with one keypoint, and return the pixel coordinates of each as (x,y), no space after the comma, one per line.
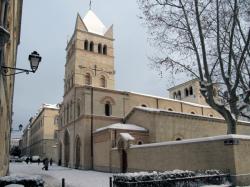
(63,182)
(110,182)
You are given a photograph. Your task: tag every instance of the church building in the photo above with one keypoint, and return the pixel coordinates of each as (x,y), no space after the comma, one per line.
(95,117)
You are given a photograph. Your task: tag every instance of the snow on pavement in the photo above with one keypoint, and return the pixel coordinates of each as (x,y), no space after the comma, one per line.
(53,177)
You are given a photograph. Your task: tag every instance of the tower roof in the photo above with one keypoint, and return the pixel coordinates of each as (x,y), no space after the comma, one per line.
(94,24)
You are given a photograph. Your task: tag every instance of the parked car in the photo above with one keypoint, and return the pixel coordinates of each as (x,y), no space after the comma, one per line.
(35,158)
(15,159)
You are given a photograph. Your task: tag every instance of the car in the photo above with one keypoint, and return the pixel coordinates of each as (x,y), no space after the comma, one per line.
(35,158)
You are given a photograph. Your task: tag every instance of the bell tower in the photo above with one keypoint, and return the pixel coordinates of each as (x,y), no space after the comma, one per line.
(90,54)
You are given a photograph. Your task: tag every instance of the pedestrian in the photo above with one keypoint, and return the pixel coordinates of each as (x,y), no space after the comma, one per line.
(38,161)
(27,160)
(45,164)
(50,162)
(59,162)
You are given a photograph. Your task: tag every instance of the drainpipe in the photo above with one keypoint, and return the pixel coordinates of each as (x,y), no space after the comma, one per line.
(74,147)
(91,127)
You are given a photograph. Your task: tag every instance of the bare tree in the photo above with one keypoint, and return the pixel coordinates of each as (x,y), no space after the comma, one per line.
(208,39)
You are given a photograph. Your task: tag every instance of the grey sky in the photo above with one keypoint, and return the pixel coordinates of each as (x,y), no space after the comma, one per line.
(46,25)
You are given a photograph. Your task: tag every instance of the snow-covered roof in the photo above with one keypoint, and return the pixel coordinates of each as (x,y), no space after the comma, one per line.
(122,126)
(52,106)
(169,99)
(94,24)
(127,137)
(195,140)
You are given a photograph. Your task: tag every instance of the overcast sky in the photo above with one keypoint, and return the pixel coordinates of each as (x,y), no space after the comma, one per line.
(47,24)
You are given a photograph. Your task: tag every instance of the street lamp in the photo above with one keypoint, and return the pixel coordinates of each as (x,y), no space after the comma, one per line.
(20,127)
(34,59)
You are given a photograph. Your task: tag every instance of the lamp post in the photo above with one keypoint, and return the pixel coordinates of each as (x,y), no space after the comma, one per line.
(20,127)
(34,59)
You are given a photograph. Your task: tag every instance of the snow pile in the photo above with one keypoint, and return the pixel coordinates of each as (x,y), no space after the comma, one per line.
(171,178)
(35,181)
(127,137)
(122,126)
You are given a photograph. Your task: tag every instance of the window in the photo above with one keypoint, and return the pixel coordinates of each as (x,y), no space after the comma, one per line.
(108,109)
(102,81)
(211,115)
(91,46)
(186,92)
(178,139)
(174,95)
(78,108)
(105,50)
(55,120)
(170,109)
(4,13)
(99,48)
(179,94)
(192,112)
(86,45)
(143,105)
(87,79)
(191,90)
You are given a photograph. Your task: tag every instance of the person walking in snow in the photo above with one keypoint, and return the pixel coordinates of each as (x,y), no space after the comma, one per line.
(50,162)
(46,164)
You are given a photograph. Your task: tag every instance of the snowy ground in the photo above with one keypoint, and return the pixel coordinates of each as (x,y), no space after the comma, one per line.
(53,177)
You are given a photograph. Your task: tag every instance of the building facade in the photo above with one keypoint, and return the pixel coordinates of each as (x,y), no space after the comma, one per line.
(40,136)
(10,26)
(98,124)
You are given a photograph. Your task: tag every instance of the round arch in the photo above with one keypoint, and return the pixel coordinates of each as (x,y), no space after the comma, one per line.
(77,152)
(66,147)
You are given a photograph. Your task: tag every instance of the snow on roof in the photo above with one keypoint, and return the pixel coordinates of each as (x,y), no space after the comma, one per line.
(127,137)
(122,126)
(169,99)
(195,140)
(94,24)
(52,106)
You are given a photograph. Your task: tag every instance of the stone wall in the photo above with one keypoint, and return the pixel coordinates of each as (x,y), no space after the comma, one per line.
(228,152)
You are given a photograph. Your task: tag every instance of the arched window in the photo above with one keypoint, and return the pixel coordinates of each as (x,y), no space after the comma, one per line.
(86,45)
(91,46)
(192,112)
(211,115)
(174,95)
(87,79)
(178,139)
(186,92)
(143,105)
(104,50)
(170,109)
(99,48)
(67,112)
(108,109)
(179,94)
(191,90)
(102,81)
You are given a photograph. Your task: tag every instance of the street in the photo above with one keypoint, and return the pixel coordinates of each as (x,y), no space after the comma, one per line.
(53,177)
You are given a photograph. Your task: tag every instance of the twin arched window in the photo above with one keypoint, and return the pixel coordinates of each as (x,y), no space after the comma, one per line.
(90,47)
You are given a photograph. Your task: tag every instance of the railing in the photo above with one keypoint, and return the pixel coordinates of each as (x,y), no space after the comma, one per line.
(195,181)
